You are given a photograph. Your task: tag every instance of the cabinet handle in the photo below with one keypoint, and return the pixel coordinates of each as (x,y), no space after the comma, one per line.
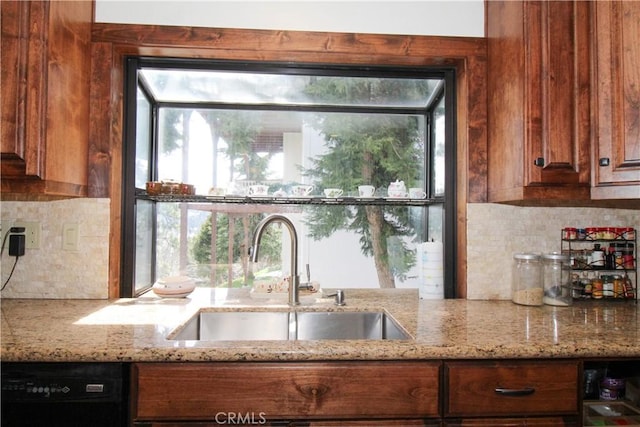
(515,391)
(604,161)
(539,161)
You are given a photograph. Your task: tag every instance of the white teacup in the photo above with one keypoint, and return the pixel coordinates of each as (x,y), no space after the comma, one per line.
(366,190)
(301,190)
(217,191)
(258,190)
(417,193)
(333,192)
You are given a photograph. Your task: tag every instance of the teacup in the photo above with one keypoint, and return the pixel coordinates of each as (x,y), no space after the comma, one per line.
(333,192)
(301,190)
(217,191)
(258,190)
(417,193)
(366,190)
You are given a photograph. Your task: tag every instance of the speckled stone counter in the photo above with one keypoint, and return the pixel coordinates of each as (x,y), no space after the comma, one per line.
(137,329)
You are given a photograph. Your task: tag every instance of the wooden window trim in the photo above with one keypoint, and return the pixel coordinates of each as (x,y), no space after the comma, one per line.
(112,43)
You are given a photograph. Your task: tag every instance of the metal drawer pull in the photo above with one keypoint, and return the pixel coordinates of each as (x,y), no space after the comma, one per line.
(515,391)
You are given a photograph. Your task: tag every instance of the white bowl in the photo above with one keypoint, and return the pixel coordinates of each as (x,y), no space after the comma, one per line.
(174,286)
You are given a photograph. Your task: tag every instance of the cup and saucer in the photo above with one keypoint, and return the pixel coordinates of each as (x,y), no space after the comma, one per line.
(366,191)
(333,193)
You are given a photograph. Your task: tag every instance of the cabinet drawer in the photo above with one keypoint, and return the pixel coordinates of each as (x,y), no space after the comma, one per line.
(172,391)
(516,422)
(511,388)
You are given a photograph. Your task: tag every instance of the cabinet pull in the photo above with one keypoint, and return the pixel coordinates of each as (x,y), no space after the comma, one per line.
(604,161)
(539,161)
(515,391)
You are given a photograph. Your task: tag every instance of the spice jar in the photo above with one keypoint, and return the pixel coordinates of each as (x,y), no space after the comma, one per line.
(596,291)
(607,286)
(526,287)
(556,279)
(627,256)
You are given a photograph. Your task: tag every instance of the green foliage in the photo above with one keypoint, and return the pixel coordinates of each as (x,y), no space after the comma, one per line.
(239,129)
(371,149)
(270,246)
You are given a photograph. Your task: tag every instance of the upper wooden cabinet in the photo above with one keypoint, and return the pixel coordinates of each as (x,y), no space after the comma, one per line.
(616,99)
(538,101)
(46,66)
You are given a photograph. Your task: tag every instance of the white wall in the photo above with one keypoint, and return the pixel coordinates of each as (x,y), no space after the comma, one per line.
(417,17)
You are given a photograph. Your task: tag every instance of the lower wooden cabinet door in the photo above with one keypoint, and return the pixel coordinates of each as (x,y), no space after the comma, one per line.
(286,391)
(338,423)
(371,423)
(511,388)
(515,422)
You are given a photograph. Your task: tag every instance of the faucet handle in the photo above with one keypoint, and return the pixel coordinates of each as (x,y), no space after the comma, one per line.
(339,297)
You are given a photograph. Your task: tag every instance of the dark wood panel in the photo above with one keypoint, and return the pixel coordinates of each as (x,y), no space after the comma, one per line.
(538,92)
(45,86)
(517,422)
(616,99)
(100,150)
(13,16)
(552,388)
(339,390)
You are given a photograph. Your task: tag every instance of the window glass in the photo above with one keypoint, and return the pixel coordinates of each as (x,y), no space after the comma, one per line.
(438,149)
(297,135)
(144,241)
(249,88)
(233,150)
(143,140)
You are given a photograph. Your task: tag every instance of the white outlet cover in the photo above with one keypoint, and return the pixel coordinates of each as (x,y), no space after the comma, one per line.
(33,230)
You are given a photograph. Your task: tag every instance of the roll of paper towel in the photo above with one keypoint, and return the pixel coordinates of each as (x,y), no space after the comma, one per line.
(430,255)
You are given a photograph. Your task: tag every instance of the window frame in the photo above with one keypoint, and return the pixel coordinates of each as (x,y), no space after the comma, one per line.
(131,83)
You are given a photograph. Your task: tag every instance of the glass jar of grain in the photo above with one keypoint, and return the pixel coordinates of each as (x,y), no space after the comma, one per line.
(526,286)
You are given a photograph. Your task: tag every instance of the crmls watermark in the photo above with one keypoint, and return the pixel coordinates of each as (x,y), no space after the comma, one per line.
(237,418)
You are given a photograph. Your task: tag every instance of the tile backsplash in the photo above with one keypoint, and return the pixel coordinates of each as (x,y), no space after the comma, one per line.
(494,233)
(51,271)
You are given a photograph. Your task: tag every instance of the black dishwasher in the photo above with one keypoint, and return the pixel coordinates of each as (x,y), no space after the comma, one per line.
(64,394)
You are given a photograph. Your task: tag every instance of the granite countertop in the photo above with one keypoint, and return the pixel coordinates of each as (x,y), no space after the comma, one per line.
(136,329)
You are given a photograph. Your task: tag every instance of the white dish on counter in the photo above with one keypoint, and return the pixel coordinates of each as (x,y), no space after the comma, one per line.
(174,286)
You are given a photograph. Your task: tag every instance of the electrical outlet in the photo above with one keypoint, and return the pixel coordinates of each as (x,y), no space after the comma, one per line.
(32,231)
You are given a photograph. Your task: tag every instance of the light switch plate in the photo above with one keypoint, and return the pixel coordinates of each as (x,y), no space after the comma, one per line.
(70,236)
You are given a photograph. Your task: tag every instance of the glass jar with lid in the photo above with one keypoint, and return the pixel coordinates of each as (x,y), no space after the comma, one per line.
(526,285)
(556,278)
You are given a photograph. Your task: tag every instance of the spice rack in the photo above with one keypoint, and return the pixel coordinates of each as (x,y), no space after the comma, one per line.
(603,262)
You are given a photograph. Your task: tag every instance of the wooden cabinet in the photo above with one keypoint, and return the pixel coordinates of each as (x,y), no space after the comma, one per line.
(538,101)
(516,422)
(45,97)
(366,393)
(544,392)
(347,391)
(616,99)
(253,422)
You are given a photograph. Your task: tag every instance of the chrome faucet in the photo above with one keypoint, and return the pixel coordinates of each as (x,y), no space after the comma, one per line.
(294,298)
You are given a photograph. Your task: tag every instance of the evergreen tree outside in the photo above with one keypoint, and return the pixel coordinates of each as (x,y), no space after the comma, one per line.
(373,149)
(361,148)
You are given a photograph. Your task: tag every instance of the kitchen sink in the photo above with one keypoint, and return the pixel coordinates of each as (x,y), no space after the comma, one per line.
(289,325)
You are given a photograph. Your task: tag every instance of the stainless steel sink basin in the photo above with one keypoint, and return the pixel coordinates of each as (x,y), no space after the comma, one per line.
(289,325)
